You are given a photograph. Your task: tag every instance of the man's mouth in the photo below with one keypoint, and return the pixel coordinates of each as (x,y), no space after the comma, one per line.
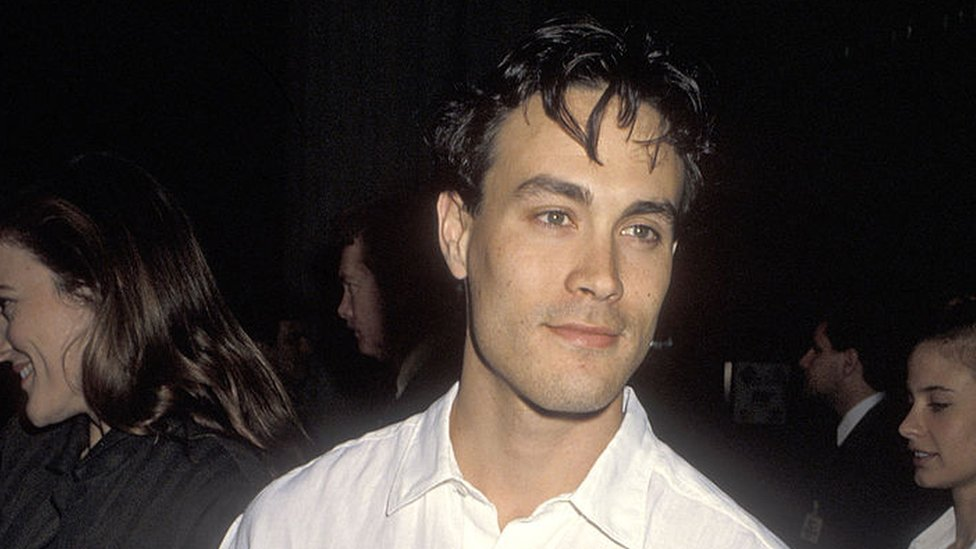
(586,335)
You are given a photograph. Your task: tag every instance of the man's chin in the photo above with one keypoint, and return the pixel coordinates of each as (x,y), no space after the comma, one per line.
(371,352)
(572,404)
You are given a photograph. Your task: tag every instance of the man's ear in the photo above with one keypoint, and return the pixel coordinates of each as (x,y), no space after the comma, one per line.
(852,362)
(453,231)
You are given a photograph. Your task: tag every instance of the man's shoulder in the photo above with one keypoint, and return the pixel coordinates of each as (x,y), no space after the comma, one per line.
(877,432)
(683,481)
(685,502)
(679,497)
(351,472)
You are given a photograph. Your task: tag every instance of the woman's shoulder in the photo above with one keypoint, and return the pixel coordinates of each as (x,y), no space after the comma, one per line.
(211,454)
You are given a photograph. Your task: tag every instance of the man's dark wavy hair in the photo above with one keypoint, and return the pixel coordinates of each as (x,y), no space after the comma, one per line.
(561,55)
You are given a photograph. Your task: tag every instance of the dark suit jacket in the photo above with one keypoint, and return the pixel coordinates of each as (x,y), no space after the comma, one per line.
(866,490)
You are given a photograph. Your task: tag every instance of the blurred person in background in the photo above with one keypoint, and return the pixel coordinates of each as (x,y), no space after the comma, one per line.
(404,308)
(862,493)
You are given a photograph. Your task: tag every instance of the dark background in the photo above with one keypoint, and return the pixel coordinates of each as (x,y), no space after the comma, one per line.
(845,151)
(845,132)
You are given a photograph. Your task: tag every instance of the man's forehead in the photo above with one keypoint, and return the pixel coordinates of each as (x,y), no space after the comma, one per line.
(352,257)
(580,101)
(528,132)
(532,132)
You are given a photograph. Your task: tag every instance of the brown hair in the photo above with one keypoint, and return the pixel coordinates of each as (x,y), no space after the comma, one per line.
(163,342)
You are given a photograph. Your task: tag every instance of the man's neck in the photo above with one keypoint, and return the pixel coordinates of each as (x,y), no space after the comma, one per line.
(850,396)
(854,415)
(518,456)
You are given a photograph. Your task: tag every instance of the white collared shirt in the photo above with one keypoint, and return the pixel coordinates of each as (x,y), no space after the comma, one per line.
(401,487)
(855,415)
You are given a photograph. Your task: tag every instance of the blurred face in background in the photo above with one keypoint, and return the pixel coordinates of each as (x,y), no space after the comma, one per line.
(822,364)
(42,335)
(361,306)
(941,425)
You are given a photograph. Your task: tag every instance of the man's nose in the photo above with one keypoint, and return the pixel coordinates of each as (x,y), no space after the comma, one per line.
(345,306)
(597,272)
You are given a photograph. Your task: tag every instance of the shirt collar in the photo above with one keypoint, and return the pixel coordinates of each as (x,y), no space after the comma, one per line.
(855,415)
(614,493)
(428,458)
(611,496)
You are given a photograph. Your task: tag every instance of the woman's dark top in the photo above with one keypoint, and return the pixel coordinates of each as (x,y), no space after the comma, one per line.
(181,490)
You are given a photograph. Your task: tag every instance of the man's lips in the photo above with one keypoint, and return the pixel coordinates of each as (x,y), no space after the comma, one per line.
(585,335)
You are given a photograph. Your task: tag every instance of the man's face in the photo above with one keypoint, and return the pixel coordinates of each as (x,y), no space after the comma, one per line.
(822,364)
(360,306)
(568,260)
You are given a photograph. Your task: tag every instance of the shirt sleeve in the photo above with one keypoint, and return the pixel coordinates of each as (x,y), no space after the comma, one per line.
(231,539)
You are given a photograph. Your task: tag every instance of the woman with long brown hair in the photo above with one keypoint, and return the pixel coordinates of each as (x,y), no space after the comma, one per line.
(150,413)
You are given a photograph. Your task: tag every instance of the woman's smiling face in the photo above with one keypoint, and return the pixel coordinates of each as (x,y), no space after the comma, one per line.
(42,334)
(941,425)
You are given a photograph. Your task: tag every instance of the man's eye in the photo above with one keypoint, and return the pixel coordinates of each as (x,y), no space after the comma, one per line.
(554,217)
(641,232)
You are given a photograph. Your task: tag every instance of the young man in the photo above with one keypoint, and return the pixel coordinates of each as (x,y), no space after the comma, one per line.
(572,164)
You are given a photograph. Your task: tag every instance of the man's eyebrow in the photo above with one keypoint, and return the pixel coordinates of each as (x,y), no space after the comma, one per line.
(934,388)
(548,184)
(651,207)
